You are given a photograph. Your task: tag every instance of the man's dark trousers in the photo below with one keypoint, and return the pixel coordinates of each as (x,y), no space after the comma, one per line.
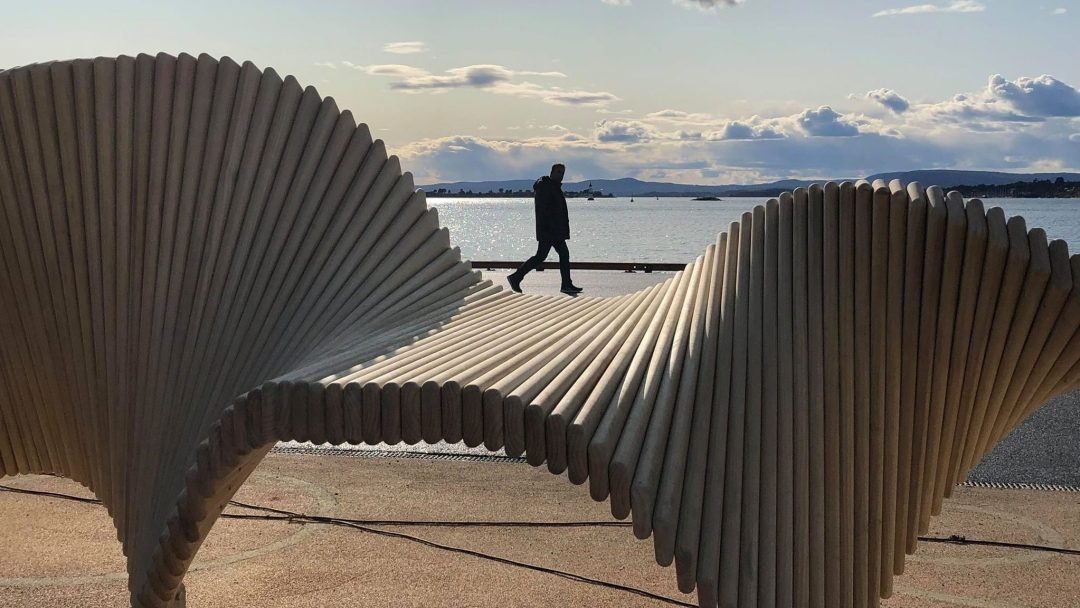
(542,250)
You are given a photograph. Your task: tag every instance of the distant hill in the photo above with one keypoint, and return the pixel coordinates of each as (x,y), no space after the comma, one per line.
(626,186)
(629,186)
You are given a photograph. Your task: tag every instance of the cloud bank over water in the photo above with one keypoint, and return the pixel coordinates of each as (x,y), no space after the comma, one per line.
(1028,123)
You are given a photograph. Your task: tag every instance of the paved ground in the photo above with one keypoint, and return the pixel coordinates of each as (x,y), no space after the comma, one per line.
(1044,449)
(60,554)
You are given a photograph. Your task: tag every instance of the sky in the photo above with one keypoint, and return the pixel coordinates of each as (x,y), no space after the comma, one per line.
(691,91)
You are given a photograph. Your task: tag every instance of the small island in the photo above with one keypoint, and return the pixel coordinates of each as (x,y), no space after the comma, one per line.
(707,198)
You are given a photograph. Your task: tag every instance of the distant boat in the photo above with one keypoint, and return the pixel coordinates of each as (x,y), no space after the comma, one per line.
(590,199)
(707,198)
(631,199)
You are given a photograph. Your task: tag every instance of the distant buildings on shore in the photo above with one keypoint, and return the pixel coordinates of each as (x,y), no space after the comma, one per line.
(1058,188)
(507,193)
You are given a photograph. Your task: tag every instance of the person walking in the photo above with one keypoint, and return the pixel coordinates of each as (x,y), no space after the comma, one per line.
(552,230)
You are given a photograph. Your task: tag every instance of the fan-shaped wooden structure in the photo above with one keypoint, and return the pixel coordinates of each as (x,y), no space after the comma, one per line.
(200,258)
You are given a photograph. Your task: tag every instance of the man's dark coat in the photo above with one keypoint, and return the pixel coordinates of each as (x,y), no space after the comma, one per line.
(552,218)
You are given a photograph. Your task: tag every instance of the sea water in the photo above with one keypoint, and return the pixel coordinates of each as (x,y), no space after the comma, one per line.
(659,230)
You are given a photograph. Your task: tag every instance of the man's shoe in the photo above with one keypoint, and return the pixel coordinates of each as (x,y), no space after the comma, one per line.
(515,284)
(571,289)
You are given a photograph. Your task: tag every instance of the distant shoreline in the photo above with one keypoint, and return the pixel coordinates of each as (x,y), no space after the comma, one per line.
(1031,189)
(514,194)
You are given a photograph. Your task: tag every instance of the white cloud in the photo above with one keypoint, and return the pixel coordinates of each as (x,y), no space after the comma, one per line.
(555,95)
(624,132)
(466,157)
(658,126)
(544,74)
(1019,125)
(1004,105)
(490,77)
(733,160)
(744,130)
(396,70)
(709,127)
(825,122)
(326,64)
(1042,96)
(957,6)
(1060,11)
(405,48)
(668,114)
(890,99)
(698,161)
(706,5)
(679,116)
(468,76)
(701,5)
(971,112)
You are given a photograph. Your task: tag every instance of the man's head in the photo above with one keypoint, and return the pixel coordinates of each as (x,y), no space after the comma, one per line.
(557,172)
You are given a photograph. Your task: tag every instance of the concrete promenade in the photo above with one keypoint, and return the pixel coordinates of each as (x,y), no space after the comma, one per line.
(62,553)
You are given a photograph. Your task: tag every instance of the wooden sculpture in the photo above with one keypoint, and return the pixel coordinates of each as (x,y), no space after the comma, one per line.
(199,259)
